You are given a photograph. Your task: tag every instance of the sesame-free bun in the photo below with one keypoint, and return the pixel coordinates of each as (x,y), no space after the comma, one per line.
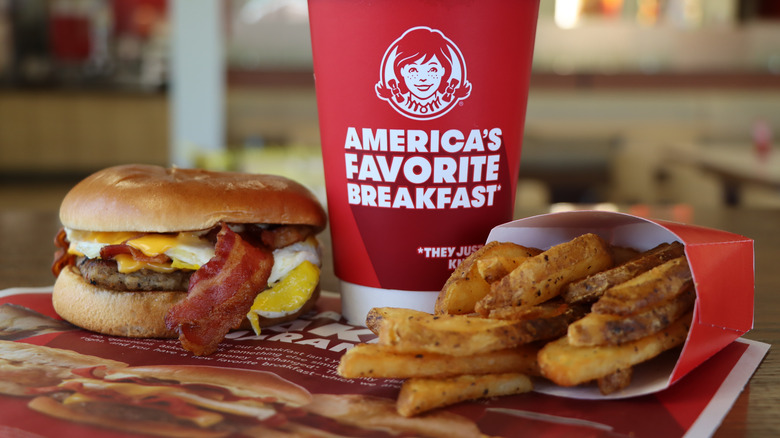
(130,314)
(156,199)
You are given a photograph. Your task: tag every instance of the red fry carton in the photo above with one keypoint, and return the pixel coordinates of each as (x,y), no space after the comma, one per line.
(722,265)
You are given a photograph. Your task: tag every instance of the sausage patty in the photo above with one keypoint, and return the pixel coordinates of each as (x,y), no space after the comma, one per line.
(105,274)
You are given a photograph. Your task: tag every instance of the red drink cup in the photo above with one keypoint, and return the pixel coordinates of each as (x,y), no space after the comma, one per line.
(421,107)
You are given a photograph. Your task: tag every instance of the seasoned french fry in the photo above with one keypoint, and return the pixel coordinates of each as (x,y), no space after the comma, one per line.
(567,365)
(377,314)
(542,277)
(616,381)
(502,260)
(601,329)
(471,279)
(544,321)
(421,395)
(382,361)
(593,287)
(457,335)
(646,289)
(546,310)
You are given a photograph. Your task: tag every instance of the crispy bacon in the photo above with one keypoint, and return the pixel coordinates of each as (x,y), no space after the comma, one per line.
(109,252)
(61,256)
(220,293)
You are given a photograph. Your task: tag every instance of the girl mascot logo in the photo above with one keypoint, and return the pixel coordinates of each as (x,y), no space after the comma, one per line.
(423,74)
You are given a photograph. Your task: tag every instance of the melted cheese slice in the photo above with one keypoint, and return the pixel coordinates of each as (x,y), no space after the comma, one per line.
(126,263)
(186,250)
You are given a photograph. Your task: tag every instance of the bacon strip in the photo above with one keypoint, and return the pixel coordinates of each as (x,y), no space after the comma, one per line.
(111,251)
(220,294)
(61,256)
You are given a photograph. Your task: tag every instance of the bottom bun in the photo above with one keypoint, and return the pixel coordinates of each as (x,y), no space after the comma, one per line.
(129,314)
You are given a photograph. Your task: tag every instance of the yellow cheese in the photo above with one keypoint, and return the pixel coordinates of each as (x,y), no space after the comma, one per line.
(186,250)
(104,237)
(88,243)
(126,264)
(153,244)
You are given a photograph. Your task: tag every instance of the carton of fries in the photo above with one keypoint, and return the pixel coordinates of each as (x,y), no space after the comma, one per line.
(584,304)
(721,265)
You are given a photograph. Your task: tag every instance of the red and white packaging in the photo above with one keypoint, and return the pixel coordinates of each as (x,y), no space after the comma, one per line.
(722,265)
(421,114)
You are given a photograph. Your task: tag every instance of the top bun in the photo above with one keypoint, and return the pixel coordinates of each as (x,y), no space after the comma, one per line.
(157,199)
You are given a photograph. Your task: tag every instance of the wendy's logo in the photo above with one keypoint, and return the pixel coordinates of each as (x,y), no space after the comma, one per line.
(423,74)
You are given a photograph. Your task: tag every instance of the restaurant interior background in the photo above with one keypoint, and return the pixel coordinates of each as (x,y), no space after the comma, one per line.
(624,94)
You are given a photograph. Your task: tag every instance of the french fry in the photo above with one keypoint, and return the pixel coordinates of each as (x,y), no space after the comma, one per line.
(593,287)
(457,335)
(381,361)
(542,277)
(646,289)
(567,365)
(616,381)
(503,259)
(464,335)
(377,314)
(471,279)
(546,310)
(544,321)
(601,329)
(420,395)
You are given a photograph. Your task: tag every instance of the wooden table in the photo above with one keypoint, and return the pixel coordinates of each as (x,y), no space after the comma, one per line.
(26,250)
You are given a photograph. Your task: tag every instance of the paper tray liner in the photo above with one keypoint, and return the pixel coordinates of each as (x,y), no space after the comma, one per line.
(306,352)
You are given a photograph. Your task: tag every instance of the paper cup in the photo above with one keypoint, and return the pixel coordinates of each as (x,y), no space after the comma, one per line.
(421,109)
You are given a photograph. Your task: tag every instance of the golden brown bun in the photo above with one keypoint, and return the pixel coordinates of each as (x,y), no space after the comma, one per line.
(156,199)
(245,383)
(130,314)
